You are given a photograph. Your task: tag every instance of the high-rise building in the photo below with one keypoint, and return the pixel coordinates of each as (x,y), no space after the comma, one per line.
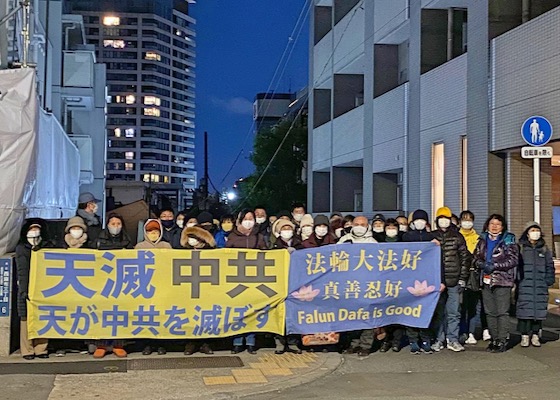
(149,49)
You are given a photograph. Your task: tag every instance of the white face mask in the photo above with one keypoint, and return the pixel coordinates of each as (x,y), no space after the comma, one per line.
(76,233)
(338,232)
(180,223)
(378,229)
(287,235)
(403,228)
(192,242)
(248,224)
(191,224)
(321,231)
(534,235)
(419,224)
(33,234)
(307,230)
(298,217)
(444,223)
(467,225)
(114,231)
(260,220)
(391,233)
(95,208)
(359,230)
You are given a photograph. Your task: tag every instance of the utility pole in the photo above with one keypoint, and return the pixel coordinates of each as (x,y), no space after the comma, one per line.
(206,179)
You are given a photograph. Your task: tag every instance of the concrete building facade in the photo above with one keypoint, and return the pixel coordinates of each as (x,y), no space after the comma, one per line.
(419,104)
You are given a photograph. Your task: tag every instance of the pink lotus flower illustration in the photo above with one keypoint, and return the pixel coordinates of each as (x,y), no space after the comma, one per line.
(306,293)
(421,288)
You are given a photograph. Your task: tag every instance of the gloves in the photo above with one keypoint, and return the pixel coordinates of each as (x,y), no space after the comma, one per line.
(291,249)
(488,268)
(462,283)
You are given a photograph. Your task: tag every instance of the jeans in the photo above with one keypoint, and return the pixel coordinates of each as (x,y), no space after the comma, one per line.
(449,325)
(496,304)
(250,340)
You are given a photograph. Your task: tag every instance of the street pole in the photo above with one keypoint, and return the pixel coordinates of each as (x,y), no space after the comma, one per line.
(206,179)
(537,189)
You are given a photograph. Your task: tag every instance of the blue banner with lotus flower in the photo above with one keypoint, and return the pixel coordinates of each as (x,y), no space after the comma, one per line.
(350,287)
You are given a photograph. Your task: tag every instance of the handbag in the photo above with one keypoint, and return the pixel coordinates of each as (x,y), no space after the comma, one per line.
(473,282)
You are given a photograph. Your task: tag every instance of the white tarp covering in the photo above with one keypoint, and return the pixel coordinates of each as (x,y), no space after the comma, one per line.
(18,111)
(54,191)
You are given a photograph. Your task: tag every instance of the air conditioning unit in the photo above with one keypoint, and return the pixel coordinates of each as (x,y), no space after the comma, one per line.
(85,147)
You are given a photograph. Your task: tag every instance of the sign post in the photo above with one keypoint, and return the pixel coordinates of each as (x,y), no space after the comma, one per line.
(536,132)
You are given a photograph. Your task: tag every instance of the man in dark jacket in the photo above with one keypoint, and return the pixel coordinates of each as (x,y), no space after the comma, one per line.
(88,206)
(456,260)
(171,232)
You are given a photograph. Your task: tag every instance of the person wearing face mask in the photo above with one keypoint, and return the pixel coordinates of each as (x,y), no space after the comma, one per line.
(496,257)
(284,214)
(261,219)
(378,227)
(420,339)
(336,225)
(245,235)
(472,312)
(403,224)
(456,261)
(306,227)
(171,232)
(321,233)
(359,233)
(192,221)
(206,221)
(286,236)
(535,275)
(88,207)
(298,211)
(180,220)
(226,226)
(153,236)
(34,236)
(346,226)
(76,236)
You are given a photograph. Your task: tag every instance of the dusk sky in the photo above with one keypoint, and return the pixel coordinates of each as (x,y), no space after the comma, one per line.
(239,45)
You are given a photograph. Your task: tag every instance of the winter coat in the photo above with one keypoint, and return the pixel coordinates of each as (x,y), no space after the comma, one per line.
(172,236)
(23,261)
(505,258)
(237,240)
(93,222)
(106,241)
(351,238)
(535,275)
(313,241)
(296,243)
(204,237)
(455,257)
(471,238)
(221,238)
(158,244)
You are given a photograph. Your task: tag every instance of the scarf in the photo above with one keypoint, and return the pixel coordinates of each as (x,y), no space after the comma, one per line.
(89,218)
(75,243)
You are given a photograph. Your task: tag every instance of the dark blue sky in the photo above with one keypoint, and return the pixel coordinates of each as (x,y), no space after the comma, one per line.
(239,45)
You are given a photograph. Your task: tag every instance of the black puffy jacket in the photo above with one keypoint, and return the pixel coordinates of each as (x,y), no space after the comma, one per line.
(455,256)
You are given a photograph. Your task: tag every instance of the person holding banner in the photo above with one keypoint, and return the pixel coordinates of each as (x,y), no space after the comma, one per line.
(76,236)
(245,236)
(321,233)
(496,256)
(286,236)
(34,236)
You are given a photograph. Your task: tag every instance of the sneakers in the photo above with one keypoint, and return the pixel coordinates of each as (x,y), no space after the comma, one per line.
(486,335)
(414,348)
(385,347)
(455,346)
(147,351)
(206,349)
(189,349)
(437,346)
(426,348)
(470,339)
(500,346)
(491,346)
(524,340)
(161,351)
(535,341)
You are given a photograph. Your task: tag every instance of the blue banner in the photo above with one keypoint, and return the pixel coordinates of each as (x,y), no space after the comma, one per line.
(359,286)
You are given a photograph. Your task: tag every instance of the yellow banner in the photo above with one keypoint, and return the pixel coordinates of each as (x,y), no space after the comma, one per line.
(160,293)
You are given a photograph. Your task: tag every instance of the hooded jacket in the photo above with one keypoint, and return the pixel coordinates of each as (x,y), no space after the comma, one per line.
(23,260)
(201,234)
(505,258)
(158,244)
(351,238)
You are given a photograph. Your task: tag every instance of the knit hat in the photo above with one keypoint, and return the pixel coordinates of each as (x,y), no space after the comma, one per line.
(378,217)
(282,223)
(321,220)
(420,214)
(284,213)
(72,222)
(306,220)
(205,218)
(530,225)
(152,225)
(443,212)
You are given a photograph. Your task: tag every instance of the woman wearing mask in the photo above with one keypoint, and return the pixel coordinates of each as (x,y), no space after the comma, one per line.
(76,236)
(113,237)
(286,237)
(180,220)
(535,276)
(245,235)
(34,236)
(320,236)
(191,222)
(306,227)
(346,227)
(226,226)
(496,257)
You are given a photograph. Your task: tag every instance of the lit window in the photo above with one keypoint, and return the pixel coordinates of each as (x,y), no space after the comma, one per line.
(129,155)
(129,166)
(117,132)
(146,178)
(116,166)
(150,55)
(111,21)
(119,99)
(129,133)
(152,111)
(130,99)
(166,179)
(155,178)
(152,101)
(114,43)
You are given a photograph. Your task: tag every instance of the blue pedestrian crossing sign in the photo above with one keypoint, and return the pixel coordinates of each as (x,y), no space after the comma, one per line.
(536,131)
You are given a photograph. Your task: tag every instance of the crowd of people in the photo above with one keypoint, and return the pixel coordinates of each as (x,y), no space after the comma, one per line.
(478,272)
